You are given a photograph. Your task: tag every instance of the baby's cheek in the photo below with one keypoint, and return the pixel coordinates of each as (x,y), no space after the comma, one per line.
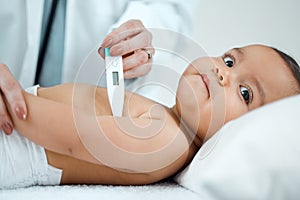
(234,109)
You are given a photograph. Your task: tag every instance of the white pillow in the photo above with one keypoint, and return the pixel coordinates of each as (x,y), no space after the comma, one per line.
(256,156)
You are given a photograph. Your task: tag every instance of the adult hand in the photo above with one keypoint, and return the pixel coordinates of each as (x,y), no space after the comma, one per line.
(12,96)
(134,42)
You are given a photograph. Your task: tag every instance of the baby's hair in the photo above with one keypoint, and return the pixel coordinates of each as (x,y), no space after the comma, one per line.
(292,64)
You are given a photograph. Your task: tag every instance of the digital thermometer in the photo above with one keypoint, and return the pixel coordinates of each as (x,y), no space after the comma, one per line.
(114,82)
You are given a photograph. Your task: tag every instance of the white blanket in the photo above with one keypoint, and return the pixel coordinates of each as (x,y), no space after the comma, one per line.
(166,190)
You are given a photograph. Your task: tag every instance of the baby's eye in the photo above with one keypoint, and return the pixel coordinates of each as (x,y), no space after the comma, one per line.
(246,94)
(228,60)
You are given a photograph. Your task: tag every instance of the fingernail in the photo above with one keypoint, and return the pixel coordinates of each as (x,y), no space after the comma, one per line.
(99,50)
(106,43)
(7,128)
(21,113)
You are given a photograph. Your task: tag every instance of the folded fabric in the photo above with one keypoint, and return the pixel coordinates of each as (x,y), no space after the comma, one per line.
(253,157)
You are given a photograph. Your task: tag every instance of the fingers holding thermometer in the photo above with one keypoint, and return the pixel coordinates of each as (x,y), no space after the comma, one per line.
(134,42)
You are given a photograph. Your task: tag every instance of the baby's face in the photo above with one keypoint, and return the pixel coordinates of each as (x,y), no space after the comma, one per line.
(213,91)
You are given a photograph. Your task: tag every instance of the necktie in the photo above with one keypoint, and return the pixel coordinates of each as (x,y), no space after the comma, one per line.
(49,66)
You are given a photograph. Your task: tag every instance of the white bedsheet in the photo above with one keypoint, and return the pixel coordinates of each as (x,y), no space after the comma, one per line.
(167,190)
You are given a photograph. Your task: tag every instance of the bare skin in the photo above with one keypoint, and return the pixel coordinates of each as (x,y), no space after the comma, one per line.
(89,170)
(211,92)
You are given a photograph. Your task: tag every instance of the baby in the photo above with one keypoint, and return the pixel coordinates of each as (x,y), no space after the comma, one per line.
(82,143)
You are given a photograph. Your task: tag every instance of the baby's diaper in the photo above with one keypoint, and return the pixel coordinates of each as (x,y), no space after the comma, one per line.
(24,163)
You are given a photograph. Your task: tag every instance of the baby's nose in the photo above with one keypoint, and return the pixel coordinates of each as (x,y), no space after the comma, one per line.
(223,75)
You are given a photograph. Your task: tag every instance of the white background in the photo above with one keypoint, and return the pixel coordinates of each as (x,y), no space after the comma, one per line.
(223,24)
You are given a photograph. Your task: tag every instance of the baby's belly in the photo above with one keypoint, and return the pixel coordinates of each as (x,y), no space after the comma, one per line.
(80,172)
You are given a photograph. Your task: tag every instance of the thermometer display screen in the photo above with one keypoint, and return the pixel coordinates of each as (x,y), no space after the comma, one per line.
(115,76)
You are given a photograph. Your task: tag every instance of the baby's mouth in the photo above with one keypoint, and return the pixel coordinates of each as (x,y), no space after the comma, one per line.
(205,80)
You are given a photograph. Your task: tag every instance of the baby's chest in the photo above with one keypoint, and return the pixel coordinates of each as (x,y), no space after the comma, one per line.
(140,107)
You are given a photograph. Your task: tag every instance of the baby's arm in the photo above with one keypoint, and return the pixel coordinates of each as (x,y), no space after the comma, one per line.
(51,124)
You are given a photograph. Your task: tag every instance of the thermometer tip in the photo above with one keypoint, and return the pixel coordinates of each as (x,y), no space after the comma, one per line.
(107,51)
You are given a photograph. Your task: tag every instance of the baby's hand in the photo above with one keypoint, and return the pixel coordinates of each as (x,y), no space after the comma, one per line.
(134,42)
(11,95)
